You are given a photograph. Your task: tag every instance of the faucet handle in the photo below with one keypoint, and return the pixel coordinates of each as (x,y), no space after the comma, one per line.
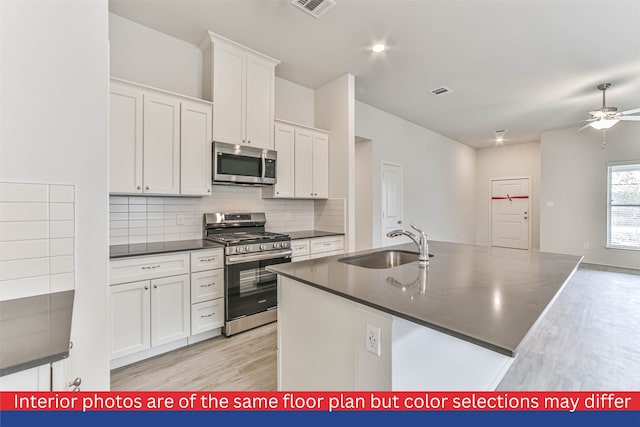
(415,227)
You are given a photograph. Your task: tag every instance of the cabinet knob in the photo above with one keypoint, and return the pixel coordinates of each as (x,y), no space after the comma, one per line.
(244,141)
(146,288)
(155,286)
(146,188)
(138,187)
(311,194)
(249,141)
(277,192)
(315,194)
(209,190)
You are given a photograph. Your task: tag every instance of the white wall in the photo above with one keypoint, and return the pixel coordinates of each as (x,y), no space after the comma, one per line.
(439,175)
(506,161)
(54,84)
(143,55)
(364,194)
(294,103)
(335,111)
(574,179)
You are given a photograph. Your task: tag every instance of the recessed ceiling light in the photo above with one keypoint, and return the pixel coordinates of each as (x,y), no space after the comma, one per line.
(500,136)
(378,47)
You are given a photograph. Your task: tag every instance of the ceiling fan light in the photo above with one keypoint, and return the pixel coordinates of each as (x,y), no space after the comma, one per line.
(603,124)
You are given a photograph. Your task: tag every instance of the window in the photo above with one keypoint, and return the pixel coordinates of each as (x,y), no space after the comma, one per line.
(623,213)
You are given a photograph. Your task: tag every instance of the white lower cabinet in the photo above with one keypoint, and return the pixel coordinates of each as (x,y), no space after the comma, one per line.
(170,308)
(207,315)
(150,317)
(149,313)
(130,318)
(34,379)
(318,247)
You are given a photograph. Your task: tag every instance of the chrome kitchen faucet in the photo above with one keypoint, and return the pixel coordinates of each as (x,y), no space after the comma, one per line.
(421,241)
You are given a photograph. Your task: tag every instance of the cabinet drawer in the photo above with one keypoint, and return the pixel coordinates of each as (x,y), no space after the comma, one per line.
(207,260)
(327,244)
(145,268)
(207,315)
(207,285)
(300,247)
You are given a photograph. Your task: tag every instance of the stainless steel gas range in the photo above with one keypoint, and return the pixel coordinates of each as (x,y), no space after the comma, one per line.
(250,290)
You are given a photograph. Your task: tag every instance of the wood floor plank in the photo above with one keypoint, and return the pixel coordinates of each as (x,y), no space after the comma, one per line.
(589,340)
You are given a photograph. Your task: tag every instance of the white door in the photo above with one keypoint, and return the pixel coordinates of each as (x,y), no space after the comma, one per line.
(195,149)
(284,140)
(304,164)
(228,93)
(170,309)
(161,169)
(391,201)
(259,99)
(510,213)
(125,140)
(129,318)
(320,166)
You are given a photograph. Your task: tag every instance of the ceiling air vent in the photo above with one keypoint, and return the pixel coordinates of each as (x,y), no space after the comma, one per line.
(441,91)
(316,8)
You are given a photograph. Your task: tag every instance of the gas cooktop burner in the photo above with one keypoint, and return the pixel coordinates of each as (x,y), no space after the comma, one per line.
(246,237)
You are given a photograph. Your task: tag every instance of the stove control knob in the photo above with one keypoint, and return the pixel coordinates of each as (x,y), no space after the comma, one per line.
(263,247)
(275,245)
(247,248)
(238,249)
(285,244)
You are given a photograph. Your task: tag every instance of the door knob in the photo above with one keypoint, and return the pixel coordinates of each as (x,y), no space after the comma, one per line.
(75,384)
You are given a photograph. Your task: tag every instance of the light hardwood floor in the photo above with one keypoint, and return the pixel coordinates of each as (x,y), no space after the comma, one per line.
(589,340)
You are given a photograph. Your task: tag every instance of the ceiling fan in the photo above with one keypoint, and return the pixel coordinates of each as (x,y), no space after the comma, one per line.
(606,117)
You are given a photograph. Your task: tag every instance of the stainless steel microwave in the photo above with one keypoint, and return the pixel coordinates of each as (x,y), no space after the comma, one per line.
(237,164)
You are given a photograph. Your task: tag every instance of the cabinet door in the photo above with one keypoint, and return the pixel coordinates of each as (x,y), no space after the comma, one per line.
(320,166)
(285,165)
(259,102)
(161,171)
(125,140)
(304,164)
(129,318)
(195,149)
(170,306)
(228,93)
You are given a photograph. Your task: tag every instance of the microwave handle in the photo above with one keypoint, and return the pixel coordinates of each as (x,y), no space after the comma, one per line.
(264,166)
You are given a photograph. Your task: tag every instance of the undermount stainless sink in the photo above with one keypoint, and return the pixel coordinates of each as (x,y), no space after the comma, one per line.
(382,259)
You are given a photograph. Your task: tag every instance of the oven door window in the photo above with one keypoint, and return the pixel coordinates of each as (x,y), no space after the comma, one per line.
(251,288)
(233,164)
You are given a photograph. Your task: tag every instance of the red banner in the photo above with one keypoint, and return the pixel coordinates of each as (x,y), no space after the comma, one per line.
(320,401)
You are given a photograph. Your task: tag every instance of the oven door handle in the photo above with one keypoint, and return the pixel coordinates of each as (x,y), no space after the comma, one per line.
(264,166)
(237,259)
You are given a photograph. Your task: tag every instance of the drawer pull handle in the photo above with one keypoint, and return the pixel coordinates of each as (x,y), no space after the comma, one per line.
(204,316)
(207,285)
(150,267)
(327,244)
(262,301)
(207,259)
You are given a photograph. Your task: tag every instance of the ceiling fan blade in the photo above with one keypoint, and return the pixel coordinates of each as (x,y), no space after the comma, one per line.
(630,118)
(635,110)
(583,127)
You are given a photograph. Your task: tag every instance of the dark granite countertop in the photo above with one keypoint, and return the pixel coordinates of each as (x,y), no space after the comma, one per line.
(34,331)
(123,251)
(310,234)
(489,296)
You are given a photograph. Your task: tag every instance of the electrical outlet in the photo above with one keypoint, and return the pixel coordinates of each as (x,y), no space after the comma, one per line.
(373,339)
(180,219)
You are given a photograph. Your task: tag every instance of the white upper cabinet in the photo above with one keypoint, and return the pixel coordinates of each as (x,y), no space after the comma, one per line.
(160,142)
(284,145)
(320,165)
(125,138)
(303,163)
(195,149)
(241,82)
(161,164)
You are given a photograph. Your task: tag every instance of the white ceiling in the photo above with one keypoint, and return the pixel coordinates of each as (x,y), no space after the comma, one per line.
(525,66)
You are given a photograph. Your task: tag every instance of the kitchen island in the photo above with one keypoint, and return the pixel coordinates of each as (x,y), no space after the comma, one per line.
(456,325)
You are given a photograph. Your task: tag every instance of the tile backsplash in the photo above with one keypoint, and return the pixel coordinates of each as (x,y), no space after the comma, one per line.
(142,219)
(37,231)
